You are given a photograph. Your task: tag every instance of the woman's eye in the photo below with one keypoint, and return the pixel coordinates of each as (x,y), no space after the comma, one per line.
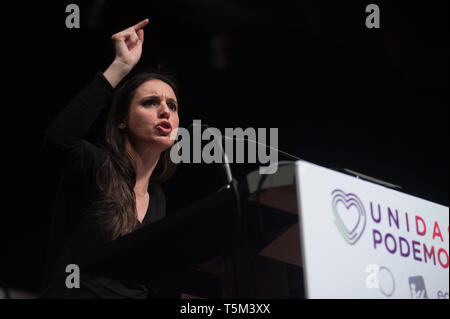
(173,106)
(150,102)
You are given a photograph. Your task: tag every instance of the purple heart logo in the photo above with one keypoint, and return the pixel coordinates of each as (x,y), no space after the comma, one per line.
(349,215)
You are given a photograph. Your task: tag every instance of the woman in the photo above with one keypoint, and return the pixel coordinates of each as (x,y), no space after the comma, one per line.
(108,192)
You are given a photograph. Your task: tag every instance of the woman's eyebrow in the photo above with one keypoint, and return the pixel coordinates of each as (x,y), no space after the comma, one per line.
(157,95)
(172,100)
(151,95)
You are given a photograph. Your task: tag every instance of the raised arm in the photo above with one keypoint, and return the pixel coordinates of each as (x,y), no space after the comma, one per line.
(73,122)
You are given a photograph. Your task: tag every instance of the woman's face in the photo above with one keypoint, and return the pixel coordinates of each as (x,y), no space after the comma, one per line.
(153,114)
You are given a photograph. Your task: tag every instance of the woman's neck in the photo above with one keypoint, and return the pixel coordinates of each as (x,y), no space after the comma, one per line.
(145,160)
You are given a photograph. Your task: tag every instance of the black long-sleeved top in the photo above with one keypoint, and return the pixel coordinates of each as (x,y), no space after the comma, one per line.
(77,162)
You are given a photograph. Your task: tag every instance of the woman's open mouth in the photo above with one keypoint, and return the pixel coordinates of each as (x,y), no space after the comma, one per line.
(164,127)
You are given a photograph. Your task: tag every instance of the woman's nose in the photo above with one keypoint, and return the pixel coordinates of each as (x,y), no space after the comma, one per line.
(164,112)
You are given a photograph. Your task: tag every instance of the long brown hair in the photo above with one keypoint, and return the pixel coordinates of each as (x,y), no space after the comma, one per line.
(114,210)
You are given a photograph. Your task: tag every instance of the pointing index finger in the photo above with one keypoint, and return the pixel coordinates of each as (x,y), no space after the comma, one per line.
(140,25)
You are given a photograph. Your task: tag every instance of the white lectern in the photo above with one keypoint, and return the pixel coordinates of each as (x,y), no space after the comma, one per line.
(355,238)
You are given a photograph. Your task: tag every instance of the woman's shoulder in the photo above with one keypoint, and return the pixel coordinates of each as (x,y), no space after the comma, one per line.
(89,156)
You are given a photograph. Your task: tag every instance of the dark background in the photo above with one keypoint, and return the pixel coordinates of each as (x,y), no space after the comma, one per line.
(375,101)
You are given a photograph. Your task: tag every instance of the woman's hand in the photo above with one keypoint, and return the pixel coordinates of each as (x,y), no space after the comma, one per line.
(128,44)
(128,50)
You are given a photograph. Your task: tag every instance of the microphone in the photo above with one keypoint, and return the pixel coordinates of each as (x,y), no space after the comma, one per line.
(293,157)
(225,160)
